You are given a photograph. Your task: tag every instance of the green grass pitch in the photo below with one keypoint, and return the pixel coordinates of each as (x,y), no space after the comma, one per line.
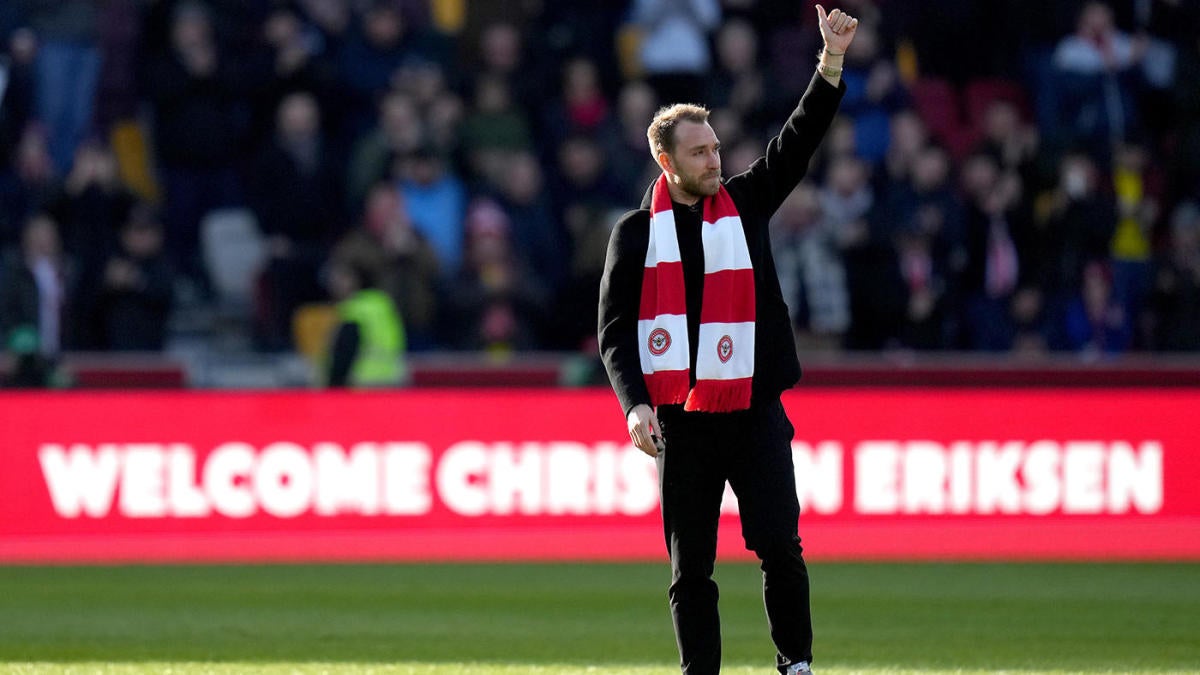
(599,619)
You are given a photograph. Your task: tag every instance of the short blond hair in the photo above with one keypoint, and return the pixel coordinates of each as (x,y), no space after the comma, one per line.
(661,133)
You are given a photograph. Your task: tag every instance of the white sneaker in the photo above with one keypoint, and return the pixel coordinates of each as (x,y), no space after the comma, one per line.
(799,669)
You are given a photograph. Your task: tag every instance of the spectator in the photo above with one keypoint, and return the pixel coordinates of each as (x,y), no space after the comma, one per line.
(628,150)
(27,186)
(926,219)
(1177,284)
(1094,323)
(37,285)
(908,137)
(68,70)
(583,107)
(120,27)
(381,43)
(135,293)
(1013,143)
(926,201)
(1137,209)
(293,60)
(1184,159)
(583,176)
(399,131)
(197,91)
(332,18)
(812,275)
(840,142)
(424,81)
(733,131)
(436,202)
(741,155)
(494,127)
(790,41)
(847,202)
(581,27)
(369,343)
(924,323)
(91,207)
(873,94)
(16,94)
(578,293)
(407,265)
(1096,67)
(1077,232)
(675,53)
(537,234)
(998,258)
(500,53)
(296,196)
(493,304)
(445,118)
(739,82)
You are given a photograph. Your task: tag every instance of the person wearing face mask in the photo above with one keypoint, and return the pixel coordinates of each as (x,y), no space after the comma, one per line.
(1076,233)
(697,342)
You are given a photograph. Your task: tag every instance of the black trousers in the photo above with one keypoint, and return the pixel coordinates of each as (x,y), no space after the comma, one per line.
(750,449)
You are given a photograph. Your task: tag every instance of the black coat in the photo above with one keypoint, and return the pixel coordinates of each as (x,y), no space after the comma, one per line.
(757,193)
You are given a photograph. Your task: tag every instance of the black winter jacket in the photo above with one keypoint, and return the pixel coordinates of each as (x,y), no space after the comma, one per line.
(757,193)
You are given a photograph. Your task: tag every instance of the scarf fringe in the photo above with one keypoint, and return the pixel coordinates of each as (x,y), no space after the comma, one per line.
(719,395)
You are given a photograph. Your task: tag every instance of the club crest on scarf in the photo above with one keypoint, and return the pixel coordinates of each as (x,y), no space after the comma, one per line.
(725,349)
(660,341)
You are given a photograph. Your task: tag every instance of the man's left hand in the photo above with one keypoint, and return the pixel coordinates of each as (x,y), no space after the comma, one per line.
(837,29)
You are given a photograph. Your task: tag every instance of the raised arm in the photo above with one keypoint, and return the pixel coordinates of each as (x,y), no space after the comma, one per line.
(771,179)
(837,32)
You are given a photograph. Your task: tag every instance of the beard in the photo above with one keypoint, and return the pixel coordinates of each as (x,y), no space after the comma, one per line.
(700,186)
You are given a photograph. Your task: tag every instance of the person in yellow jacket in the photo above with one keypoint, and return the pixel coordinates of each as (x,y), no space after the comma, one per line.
(368,345)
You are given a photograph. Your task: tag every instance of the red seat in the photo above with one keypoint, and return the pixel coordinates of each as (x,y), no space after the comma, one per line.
(938,104)
(979,94)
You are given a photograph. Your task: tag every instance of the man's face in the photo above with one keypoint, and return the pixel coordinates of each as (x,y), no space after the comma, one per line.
(696,161)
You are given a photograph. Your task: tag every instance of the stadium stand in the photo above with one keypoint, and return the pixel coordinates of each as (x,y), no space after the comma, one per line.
(533,109)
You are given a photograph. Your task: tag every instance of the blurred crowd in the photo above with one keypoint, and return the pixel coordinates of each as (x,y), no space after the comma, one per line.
(1003,176)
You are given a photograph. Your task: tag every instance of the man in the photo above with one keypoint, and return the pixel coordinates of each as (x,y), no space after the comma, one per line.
(695,335)
(369,343)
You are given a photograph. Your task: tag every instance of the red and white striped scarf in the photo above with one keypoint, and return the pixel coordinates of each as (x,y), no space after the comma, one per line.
(725,355)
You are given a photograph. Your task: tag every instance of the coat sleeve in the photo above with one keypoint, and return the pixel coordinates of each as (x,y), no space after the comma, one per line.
(345,350)
(771,178)
(620,296)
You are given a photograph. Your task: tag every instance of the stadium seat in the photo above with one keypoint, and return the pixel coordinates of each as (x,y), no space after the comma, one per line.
(628,44)
(233,254)
(312,329)
(980,93)
(130,147)
(937,103)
